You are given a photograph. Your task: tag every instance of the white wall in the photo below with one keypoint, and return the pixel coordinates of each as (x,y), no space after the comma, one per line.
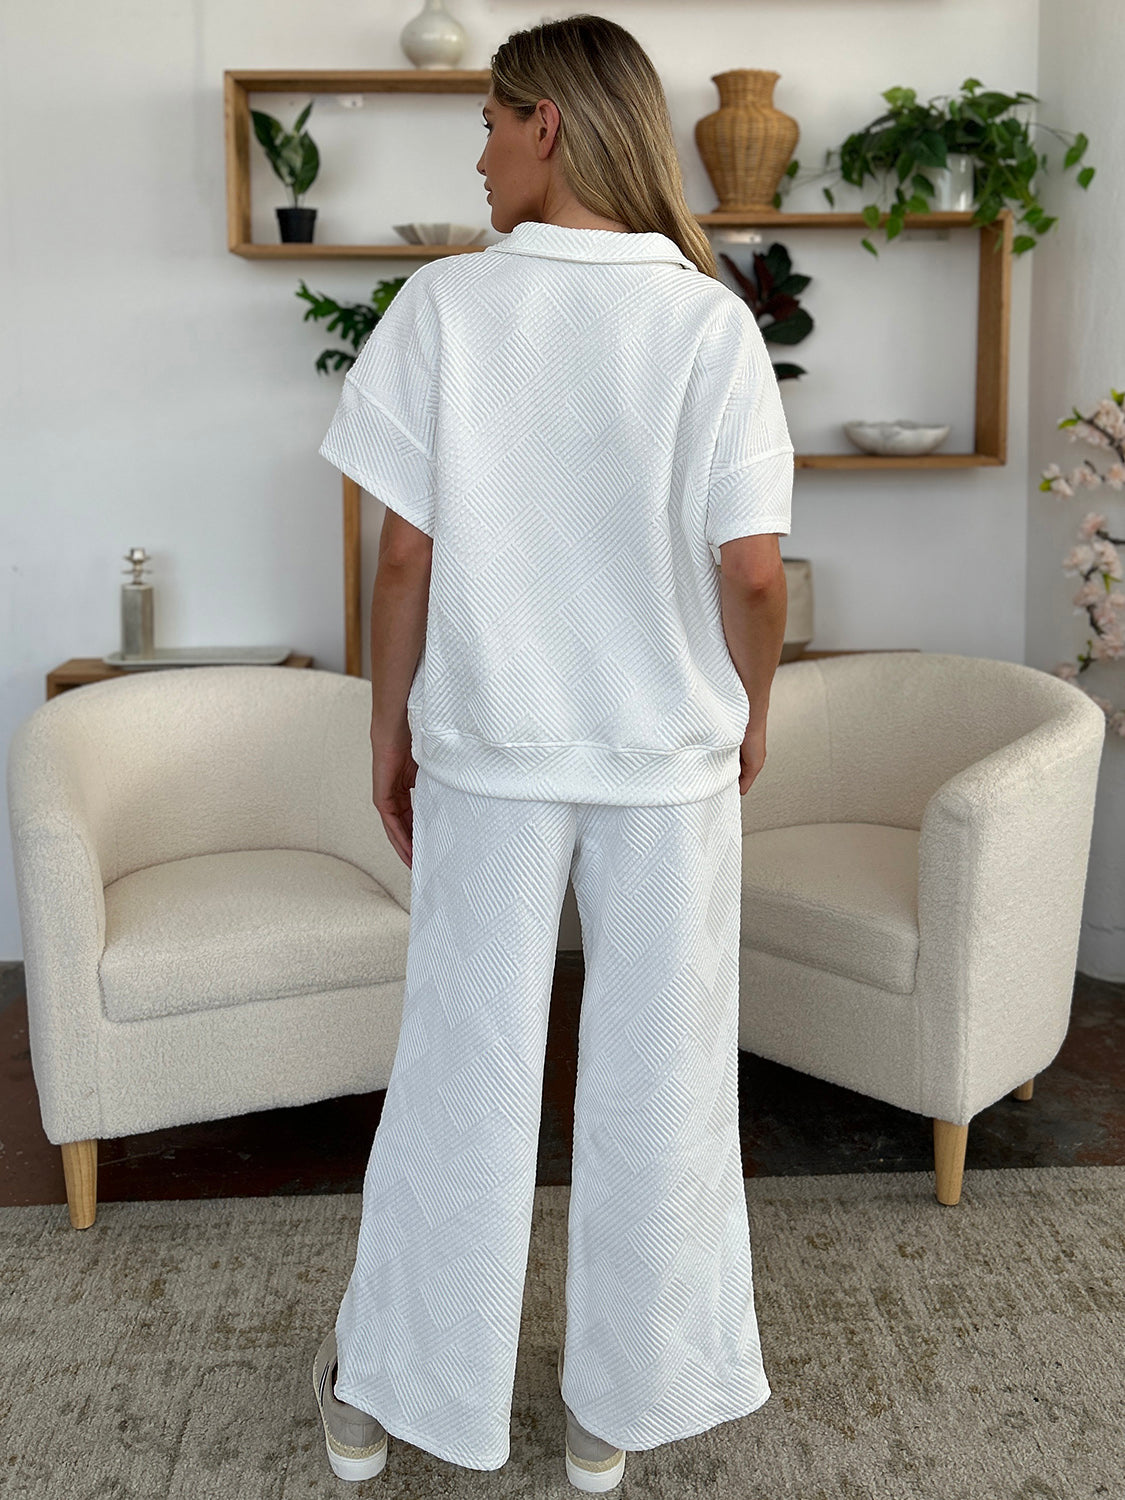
(159,391)
(1077,355)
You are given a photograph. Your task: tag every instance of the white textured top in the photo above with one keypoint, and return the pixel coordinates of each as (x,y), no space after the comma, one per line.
(578,418)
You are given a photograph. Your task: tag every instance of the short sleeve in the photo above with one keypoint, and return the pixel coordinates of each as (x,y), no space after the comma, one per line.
(382,433)
(750,489)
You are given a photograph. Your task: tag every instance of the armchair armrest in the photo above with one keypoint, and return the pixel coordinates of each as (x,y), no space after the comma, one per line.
(1002,858)
(349,825)
(61,904)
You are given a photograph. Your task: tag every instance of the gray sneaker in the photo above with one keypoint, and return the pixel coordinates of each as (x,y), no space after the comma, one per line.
(356,1442)
(591,1464)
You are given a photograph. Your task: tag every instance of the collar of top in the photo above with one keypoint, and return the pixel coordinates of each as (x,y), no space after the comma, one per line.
(561,242)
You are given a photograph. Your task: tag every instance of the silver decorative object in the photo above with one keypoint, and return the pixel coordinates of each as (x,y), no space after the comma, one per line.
(136,608)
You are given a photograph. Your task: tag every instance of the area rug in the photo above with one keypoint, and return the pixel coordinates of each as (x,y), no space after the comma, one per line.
(915,1351)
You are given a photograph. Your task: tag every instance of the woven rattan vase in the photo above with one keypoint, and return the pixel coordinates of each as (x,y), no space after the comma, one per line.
(747,143)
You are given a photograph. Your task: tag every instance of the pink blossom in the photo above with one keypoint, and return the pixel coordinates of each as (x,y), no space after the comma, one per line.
(1107,555)
(1078,559)
(1061,487)
(1066,670)
(1115,476)
(1092,523)
(1110,415)
(1091,592)
(1052,471)
(1084,474)
(1090,434)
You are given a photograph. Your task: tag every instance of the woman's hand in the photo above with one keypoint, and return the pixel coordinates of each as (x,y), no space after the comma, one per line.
(393,770)
(752,753)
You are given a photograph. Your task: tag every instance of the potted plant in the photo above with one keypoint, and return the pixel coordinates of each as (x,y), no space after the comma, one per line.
(918,141)
(295,159)
(774,296)
(355,320)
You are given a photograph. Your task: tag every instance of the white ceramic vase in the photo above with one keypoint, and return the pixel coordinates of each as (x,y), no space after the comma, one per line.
(433,38)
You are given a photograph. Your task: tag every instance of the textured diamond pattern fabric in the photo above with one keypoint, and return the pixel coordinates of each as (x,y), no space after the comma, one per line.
(661,1332)
(579,419)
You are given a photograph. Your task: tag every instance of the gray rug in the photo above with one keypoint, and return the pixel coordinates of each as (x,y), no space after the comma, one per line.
(914,1350)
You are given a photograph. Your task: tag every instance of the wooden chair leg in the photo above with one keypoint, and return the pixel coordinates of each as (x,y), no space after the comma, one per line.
(1024,1090)
(80,1169)
(949,1159)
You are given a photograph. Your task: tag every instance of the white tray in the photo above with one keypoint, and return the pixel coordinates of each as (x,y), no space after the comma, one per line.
(203,656)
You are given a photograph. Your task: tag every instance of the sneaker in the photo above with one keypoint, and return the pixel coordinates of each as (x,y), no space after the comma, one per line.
(356,1442)
(591,1464)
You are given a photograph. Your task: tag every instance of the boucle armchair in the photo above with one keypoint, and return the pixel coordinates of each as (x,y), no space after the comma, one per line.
(914,864)
(214,920)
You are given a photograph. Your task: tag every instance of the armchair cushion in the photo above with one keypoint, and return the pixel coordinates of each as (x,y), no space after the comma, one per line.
(841,897)
(214,930)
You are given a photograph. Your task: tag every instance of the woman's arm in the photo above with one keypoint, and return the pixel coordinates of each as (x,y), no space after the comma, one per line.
(399,603)
(754,601)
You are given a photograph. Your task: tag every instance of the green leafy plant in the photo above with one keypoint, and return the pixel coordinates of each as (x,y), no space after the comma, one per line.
(355,320)
(912,139)
(292,155)
(774,296)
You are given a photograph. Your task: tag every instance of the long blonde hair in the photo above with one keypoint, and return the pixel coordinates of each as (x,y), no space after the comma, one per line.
(615,138)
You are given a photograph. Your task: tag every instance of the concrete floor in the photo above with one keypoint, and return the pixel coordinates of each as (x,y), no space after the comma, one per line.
(791,1124)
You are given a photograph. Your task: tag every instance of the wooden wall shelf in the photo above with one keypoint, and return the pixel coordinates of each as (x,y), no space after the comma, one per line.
(240,83)
(993,274)
(994,260)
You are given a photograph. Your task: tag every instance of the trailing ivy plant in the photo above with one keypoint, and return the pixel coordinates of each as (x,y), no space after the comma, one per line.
(774,296)
(355,320)
(912,139)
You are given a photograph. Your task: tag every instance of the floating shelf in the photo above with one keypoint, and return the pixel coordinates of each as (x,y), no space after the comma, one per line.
(240,83)
(993,277)
(994,261)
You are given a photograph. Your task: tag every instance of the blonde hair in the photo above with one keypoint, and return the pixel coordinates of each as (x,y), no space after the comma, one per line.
(614,140)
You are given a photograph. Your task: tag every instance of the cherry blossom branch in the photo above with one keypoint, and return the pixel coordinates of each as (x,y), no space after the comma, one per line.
(1096,552)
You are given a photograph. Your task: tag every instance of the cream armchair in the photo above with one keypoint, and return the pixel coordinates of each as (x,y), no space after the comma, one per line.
(214,920)
(914,864)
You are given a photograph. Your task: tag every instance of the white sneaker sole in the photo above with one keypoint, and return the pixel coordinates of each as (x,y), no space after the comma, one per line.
(594,1481)
(583,1473)
(361,1463)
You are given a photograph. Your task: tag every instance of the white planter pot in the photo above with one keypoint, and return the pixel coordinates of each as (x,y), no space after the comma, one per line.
(953,185)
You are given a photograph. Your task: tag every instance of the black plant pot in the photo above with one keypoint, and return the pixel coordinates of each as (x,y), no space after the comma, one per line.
(296,224)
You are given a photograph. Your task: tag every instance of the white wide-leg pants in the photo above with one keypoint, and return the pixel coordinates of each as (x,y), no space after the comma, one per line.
(661,1331)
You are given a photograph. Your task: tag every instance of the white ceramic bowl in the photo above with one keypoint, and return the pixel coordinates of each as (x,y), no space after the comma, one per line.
(902,438)
(439,234)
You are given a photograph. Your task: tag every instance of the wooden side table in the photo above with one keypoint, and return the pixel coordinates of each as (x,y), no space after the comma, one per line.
(82,669)
(864,651)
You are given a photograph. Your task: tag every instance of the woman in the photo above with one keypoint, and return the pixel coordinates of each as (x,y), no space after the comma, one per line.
(569,430)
